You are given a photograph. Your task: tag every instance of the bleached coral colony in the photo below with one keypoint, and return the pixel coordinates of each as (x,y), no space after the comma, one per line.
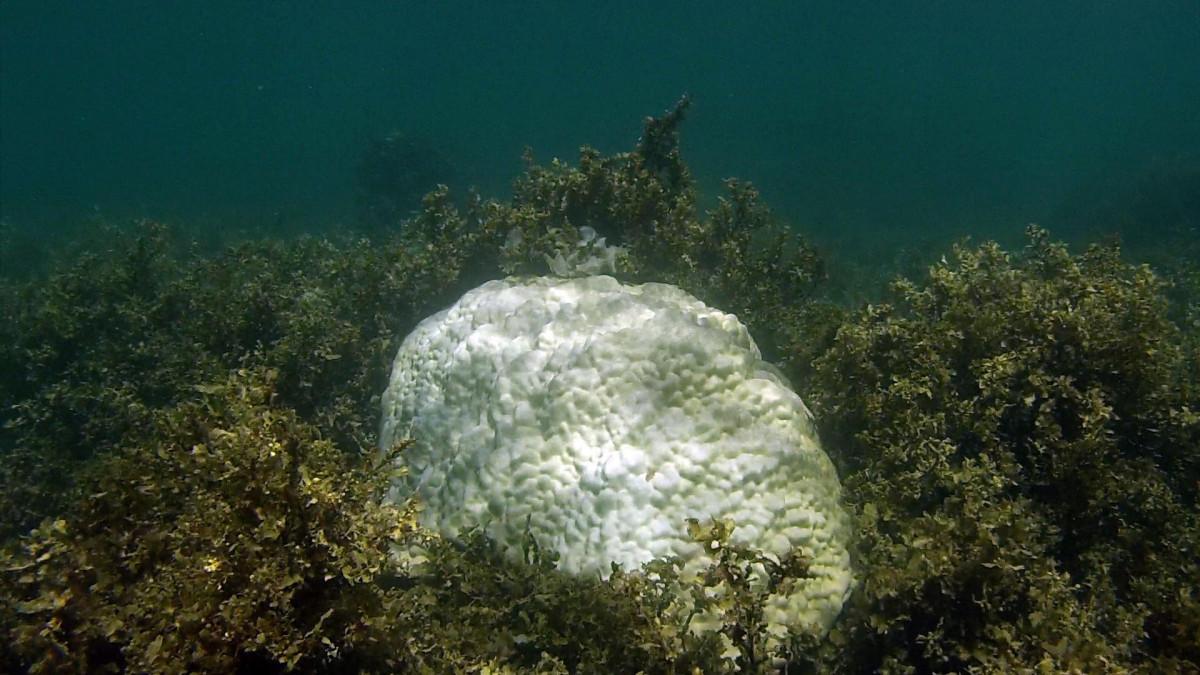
(600,416)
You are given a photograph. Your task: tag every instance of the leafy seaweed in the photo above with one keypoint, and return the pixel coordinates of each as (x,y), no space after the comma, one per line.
(1018,435)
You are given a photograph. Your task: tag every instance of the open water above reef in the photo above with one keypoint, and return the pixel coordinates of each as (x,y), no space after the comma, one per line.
(897,122)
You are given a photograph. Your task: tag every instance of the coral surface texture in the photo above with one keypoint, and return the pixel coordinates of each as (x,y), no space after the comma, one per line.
(598,417)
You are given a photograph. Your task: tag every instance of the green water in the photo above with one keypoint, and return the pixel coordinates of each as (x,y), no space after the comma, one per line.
(860,122)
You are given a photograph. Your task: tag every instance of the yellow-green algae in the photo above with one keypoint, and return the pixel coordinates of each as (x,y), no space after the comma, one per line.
(1018,435)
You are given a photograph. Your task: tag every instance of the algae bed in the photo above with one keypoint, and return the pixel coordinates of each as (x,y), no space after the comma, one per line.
(190,481)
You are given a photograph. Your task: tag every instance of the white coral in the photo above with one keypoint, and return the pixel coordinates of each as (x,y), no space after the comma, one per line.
(604,415)
(590,256)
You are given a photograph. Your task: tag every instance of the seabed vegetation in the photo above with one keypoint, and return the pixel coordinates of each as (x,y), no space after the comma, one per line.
(189,480)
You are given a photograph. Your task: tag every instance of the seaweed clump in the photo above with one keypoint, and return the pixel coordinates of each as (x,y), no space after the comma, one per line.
(1018,437)
(94,349)
(231,536)
(736,256)
(637,211)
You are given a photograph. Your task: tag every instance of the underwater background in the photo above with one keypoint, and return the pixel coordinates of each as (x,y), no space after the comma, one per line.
(967,234)
(857,121)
